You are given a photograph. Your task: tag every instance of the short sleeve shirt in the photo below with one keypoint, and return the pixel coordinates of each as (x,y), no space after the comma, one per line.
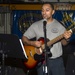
(53,30)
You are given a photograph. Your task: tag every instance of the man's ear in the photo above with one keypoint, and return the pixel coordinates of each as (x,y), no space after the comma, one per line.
(53,12)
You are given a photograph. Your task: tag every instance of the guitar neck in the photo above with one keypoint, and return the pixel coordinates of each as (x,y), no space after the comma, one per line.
(58,38)
(49,43)
(55,40)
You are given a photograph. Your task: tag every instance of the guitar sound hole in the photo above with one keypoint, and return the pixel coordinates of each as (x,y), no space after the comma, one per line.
(38,57)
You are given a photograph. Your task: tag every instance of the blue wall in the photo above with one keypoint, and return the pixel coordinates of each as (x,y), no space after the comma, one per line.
(22,19)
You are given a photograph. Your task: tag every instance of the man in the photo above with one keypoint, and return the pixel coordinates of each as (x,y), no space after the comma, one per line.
(53,29)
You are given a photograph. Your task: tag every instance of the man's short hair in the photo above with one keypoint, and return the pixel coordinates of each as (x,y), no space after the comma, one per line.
(51,4)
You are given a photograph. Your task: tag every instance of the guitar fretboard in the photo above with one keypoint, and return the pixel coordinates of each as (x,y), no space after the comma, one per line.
(49,43)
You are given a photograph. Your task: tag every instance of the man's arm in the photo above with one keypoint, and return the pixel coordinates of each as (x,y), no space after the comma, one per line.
(67,35)
(26,41)
(64,42)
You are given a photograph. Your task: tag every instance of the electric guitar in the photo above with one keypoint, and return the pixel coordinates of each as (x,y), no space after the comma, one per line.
(31,51)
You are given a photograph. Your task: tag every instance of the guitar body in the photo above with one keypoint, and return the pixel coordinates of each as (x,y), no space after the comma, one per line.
(31,62)
(30,51)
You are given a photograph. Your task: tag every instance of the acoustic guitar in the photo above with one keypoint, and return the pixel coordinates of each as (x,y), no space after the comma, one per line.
(31,51)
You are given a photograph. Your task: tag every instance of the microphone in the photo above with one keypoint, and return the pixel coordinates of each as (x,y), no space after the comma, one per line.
(44,22)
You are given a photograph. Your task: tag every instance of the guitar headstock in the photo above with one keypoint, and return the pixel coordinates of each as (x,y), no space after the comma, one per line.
(73,29)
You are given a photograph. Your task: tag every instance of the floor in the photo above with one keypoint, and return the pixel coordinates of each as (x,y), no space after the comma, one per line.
(15,67)
(12,71)
(12,66)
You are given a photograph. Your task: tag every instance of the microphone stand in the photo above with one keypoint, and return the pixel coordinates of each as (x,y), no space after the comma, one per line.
(45,69)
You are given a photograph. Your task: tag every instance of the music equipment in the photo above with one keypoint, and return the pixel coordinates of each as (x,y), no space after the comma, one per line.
(32,51)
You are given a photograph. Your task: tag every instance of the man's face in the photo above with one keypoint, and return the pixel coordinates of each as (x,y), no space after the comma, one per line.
(47,11)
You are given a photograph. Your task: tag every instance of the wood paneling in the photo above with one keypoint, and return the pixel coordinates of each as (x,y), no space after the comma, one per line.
(28,6)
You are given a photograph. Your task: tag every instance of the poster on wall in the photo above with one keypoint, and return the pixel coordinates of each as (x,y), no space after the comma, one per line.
(22,19)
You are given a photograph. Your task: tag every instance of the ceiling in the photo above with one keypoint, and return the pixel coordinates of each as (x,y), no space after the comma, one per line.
(11,1)
(32,1)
